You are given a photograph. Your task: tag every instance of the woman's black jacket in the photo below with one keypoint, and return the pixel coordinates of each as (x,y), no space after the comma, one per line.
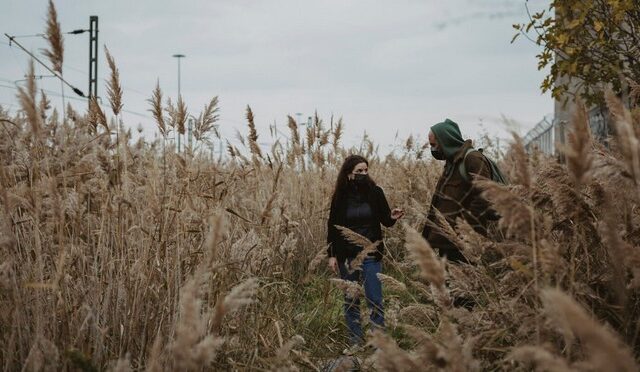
(338,245)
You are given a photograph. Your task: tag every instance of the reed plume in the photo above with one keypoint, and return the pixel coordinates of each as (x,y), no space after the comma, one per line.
(217,229)
(27,99)
(389,356)
(522,169)
(351,289)
(232,151)
(392,283)
(317,259)
(625,134)
(283,353)
(207,121)
(578,153)
(181,115)
(431,268)
(156,109)
(367,246)
(293,127)
(253,135)
(45,105)
(172,113)
(96,115)
(471,243)
(420,314)
(603,349)
(408,145)
(268,208)
(241,295)
(541,358)
(621,254)
(458,352)
(549,257)
(337,134)
(311,137)
(634,91)
(192,348)
(516,216)
(53,35)
(114,90)
(353,237)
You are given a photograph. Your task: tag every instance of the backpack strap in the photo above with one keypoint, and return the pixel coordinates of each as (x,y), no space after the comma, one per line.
(462,168)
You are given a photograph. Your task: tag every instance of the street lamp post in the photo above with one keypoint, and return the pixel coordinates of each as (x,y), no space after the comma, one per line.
(178,57)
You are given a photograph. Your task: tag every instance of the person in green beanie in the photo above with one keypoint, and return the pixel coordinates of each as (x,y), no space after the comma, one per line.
(455,195)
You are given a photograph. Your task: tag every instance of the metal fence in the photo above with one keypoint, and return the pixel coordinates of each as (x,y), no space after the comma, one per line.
(541,137)
(549,131)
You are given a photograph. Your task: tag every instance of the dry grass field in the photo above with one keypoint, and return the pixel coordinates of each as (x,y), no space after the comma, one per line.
(126,255)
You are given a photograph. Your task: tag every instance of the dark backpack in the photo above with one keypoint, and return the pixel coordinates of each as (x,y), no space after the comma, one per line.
(496,173)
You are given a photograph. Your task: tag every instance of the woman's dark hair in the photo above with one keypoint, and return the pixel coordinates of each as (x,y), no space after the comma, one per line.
(342,183)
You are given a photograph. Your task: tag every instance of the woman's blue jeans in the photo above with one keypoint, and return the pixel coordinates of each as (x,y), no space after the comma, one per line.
(373,294)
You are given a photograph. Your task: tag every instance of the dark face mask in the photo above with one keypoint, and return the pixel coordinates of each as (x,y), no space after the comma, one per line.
(360,179)
(437,154)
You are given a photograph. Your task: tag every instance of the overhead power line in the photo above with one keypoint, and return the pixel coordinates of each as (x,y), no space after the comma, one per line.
(84,99)
(12,40)
(26,36)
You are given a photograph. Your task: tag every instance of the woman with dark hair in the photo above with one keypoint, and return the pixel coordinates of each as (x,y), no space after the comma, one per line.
(360,205)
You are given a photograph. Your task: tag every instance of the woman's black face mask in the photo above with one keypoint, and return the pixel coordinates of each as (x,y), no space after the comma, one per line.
(360,179)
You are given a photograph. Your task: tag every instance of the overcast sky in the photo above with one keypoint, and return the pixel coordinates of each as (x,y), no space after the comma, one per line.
(386,67)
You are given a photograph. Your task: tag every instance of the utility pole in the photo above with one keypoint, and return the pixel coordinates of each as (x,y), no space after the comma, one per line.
(179,57)
(93,57)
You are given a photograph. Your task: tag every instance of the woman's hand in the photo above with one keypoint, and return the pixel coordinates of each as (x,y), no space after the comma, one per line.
(397,213)
(333,264)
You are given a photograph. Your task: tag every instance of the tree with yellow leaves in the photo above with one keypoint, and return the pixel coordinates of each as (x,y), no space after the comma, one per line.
(588,45)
